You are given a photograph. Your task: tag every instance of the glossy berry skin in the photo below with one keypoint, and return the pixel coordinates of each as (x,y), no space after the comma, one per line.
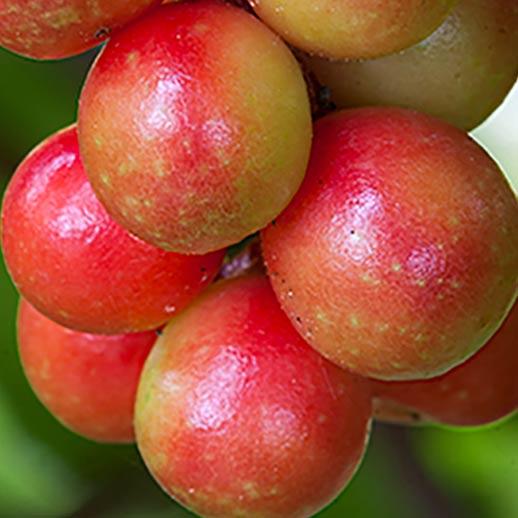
(478,392)
(56,29)
(237,416)
(352,29)
(461,73)
(398,258)
(88,382)
(75,264)
(195,126)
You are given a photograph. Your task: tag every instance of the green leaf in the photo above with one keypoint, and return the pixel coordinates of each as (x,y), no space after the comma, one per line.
(480,466)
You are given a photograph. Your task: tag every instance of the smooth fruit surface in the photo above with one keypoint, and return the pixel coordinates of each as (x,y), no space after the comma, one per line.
(478,392)
(56,29)
(461,73)
(398,258)
(195,126)
(351,29)
(237,416)
(75,264)
(88,382)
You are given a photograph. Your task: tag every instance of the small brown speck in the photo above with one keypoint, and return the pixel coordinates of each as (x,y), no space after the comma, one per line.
(102,33)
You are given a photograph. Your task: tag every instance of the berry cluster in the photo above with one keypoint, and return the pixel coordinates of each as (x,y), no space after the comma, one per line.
(388,268)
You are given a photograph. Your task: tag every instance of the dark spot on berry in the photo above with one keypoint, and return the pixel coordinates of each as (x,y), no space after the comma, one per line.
(159,332)
(102,33)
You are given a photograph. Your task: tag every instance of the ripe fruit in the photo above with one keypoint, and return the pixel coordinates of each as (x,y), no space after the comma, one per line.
(57,29)
(195,127)
(86,381)
(237,416)
(480,391)
(353,28)
(460,73)
(75,264)
(398,258)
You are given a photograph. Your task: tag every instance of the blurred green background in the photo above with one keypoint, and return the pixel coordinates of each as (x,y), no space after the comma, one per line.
(47,471)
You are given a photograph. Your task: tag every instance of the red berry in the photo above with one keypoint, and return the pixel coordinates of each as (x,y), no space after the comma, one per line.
(54,29)
(195,127)
(237,416)
(75,264)
(398,258)
(86,381)
(478,392)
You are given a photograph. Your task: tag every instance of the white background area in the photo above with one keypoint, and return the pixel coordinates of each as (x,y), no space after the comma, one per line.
(499,135)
